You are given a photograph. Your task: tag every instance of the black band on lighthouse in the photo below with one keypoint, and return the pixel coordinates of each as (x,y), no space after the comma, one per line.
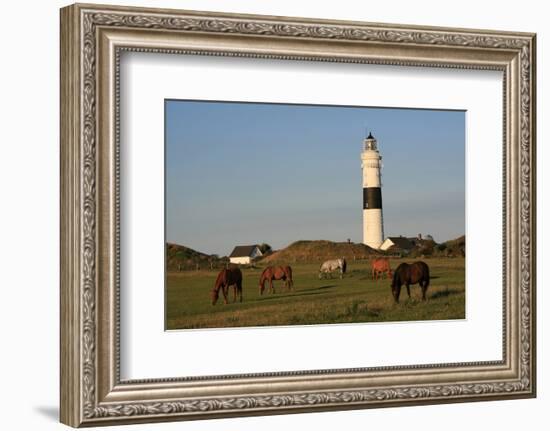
(372,198)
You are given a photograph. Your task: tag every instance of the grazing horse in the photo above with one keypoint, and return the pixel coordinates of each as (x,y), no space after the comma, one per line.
(417,272)
(379,266)
(332,265)
(276,273)
(226,278)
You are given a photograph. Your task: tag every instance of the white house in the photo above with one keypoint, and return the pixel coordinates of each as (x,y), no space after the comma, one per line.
(244,254)
(398,243)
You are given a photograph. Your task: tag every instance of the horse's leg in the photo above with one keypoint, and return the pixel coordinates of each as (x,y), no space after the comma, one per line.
(271,288)
(235,292)
(408,290)
(240,288)
(424,286)
(225,288)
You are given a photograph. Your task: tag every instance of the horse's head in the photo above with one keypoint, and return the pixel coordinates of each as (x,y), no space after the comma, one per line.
(395,288)
(263,279)
(214,294)
(395,292)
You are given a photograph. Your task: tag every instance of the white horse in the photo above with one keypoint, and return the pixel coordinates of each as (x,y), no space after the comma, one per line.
(332,265)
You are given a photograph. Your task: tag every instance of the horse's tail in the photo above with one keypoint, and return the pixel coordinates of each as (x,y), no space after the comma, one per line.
(427,275)
(289,276)
(344,265)
(238,275)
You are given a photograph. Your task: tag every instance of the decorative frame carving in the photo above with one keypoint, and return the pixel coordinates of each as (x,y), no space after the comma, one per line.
(92,38)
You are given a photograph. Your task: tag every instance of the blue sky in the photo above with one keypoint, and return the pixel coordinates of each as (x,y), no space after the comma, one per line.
(246,173)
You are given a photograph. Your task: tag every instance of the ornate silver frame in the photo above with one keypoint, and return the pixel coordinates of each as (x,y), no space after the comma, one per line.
(92,38)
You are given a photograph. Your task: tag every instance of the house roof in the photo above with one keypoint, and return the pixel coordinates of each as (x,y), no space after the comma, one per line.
(401,242)
(243,250)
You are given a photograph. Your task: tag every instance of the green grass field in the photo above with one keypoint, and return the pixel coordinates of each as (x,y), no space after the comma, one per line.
(355,298)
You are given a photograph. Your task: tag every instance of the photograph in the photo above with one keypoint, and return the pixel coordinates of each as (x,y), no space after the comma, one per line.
(296,214)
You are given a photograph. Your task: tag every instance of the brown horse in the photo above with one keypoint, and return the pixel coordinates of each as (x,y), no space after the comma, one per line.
(379,266)
(226,278)
(276,273)
(417,272)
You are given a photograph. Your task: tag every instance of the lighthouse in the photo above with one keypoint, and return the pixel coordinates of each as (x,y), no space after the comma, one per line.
(373,227)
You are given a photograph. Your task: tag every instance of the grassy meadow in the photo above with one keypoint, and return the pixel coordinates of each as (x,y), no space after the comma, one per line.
(355,298)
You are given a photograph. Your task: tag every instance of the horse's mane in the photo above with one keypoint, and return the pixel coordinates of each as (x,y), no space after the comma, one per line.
(396,275)
(264,271)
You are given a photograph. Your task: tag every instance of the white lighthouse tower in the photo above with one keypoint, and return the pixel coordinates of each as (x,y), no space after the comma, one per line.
(373,227)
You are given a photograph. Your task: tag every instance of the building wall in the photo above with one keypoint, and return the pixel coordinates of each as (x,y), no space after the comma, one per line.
(373,231)
(373,234)
(256,253)
(371,168)
(241,260)
(386,244)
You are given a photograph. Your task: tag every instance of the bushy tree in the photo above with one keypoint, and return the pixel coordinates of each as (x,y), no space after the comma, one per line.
(265,248)
(441,247)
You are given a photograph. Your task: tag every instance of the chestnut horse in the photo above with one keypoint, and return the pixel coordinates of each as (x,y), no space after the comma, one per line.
(226,278)
(276,273)
(379,266)
(417,272)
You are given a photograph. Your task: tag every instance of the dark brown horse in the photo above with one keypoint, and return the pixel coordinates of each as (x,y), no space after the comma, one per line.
(226,278)
(417,272)
(379,266)
(276,273)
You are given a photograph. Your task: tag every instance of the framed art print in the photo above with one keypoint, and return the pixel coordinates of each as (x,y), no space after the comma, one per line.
(266,215)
